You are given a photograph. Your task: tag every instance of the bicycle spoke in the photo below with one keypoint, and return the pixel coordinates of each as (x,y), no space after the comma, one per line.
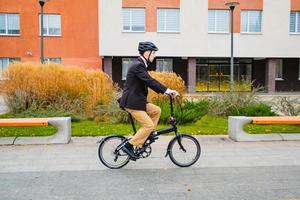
(187,154)
(108,154)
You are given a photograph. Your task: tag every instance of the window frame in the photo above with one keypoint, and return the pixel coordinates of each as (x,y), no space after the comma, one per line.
(164,60)
(165,20)
(6,25)
(130,20)
(248,24)
(279,77)
(215,22)
(47,25)
(125,71)
(296,23)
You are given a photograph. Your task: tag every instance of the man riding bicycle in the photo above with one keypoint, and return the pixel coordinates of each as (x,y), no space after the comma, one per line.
(134,97)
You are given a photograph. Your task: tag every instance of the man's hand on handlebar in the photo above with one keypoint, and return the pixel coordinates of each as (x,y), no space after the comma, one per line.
(173,93)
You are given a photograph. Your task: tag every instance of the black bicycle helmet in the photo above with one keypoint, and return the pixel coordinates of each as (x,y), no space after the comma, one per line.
(146,46)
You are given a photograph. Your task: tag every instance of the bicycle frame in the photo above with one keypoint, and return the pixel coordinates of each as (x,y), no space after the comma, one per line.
(173,127)
(165,130)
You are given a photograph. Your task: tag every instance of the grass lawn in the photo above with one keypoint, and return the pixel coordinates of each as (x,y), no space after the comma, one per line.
(206,126)
(26,131)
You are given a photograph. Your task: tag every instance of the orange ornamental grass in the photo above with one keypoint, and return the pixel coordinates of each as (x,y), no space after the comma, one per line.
(56,86)
(170,80)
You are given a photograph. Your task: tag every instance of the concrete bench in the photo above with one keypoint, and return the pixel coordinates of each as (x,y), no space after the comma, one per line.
(236,124)
(62,136)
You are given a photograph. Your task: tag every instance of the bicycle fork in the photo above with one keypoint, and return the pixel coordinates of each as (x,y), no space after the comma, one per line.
(178,137)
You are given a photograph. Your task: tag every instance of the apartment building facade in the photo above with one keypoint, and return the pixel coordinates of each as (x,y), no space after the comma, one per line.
(194,41)
(70,32)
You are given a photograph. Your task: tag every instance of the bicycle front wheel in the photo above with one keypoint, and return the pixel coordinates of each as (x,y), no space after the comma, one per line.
(187,154)
(108,154)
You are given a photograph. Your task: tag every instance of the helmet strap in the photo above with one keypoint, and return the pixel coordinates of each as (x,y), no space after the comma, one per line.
(148,59)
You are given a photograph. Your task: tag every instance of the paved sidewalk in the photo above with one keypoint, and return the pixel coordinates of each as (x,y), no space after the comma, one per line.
(226,171)
(236,183)
(81,154)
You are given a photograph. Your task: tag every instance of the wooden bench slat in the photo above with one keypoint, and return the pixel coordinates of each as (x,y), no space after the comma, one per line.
(24,122)
(276,120)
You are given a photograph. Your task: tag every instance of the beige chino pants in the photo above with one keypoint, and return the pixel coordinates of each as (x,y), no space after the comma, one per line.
(148,121)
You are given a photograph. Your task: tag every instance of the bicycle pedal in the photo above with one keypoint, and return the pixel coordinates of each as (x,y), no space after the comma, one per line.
(153,137)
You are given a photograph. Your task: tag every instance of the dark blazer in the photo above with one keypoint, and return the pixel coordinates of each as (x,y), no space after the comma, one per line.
(136,87)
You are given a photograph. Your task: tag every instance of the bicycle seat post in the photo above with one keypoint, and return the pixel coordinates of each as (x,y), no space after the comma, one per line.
(132,123)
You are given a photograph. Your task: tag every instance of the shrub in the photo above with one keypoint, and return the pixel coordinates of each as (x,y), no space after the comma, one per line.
(188,112)
(288,106)
(112,112)
(225,104)
(192,111)
(55,87)
(170,80)
(257,109)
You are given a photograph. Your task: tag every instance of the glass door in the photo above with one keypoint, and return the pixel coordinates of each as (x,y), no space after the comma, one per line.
(213,75)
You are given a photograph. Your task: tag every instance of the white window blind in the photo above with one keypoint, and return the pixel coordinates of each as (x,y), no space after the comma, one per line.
(9,24)
(2,24)
(168,20)
(218,21)
(54,24)
(51,25)
(251,21)
(133,19)
(295,22)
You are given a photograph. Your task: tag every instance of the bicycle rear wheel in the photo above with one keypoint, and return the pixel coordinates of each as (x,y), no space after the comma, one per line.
(108,154)
(186,156)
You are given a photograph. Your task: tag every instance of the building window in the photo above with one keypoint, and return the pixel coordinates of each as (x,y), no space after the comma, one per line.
(251,21)
(4,62)
(164,65)
(133,19)
(9,24)
(167,20)
(279,70)
(295,22)
(52,60)
(126,63)
(218,21)
(213,74)
(52,25)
